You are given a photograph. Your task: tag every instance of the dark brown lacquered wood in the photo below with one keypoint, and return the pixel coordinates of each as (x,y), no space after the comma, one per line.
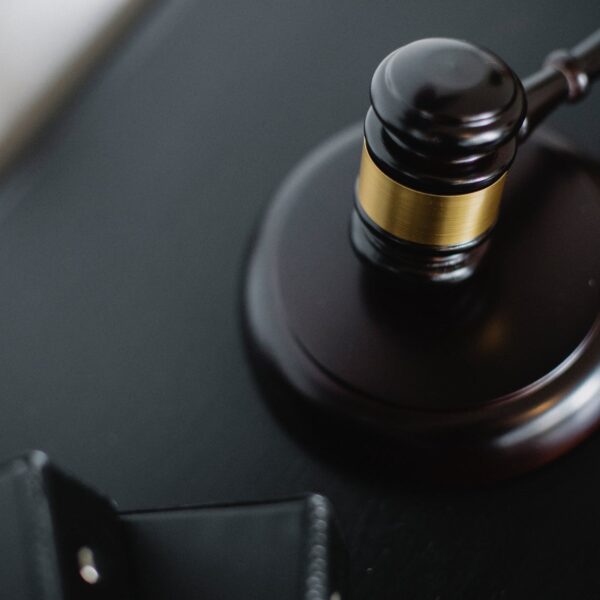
(446,118)
(566,76)
(494,376)
(445,114)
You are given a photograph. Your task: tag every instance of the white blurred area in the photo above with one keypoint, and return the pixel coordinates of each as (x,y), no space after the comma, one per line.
(46,46)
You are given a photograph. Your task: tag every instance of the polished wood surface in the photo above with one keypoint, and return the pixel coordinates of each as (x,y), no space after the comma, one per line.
(444,116)
(496,375)
(566,76)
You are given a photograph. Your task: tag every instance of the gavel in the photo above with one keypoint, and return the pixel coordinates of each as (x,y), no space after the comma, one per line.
(445,123)
(466,335)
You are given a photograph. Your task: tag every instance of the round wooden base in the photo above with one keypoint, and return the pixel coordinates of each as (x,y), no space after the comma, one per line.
(491,377)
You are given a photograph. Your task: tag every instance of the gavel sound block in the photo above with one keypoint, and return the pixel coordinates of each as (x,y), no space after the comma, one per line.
(431,278)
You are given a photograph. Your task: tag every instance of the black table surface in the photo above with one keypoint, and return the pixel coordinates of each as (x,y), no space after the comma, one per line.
(123,234)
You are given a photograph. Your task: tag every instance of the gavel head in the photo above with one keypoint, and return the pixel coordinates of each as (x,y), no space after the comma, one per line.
(439,138)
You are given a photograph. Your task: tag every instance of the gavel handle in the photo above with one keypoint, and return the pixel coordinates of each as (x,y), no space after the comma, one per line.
(566,76)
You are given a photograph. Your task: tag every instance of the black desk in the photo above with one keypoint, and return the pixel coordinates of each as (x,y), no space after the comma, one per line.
(124,231)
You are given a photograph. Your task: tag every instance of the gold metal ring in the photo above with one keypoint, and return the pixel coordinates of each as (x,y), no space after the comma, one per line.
(427,219)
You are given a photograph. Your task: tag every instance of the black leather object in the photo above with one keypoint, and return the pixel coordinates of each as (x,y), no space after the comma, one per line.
(271,551)
(45,518)
(283,550)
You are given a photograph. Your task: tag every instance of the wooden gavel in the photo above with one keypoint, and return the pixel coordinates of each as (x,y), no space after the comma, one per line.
(489,378)
(444,126)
